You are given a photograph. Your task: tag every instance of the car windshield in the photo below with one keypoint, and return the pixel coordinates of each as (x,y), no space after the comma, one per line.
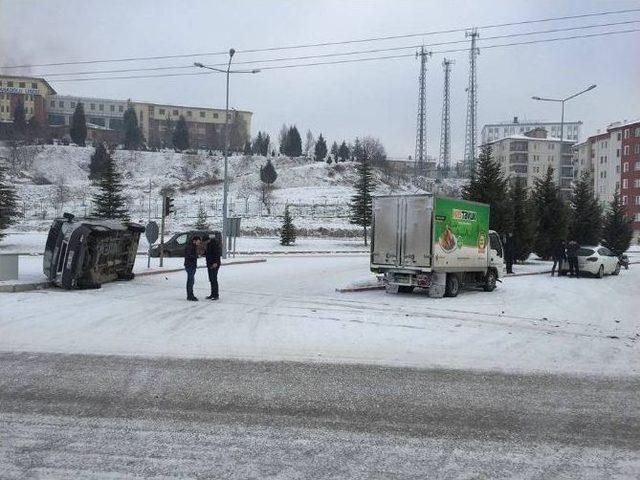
(585,252)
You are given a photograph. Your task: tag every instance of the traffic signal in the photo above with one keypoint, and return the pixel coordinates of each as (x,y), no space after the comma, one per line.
(168,206)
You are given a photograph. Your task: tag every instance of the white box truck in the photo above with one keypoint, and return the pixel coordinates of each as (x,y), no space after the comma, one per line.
(437,243)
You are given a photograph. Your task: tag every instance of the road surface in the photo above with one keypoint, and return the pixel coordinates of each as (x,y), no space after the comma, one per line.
(82,416)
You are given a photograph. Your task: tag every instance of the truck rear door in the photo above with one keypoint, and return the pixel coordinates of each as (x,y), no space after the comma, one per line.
(416,231)
(385,248)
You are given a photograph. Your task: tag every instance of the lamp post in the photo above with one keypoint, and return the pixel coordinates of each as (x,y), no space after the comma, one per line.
(225,187)
(562,100)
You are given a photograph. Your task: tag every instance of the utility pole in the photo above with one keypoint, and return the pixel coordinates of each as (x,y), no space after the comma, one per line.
(164,202)
(445,131)
(421,124)
(472,105)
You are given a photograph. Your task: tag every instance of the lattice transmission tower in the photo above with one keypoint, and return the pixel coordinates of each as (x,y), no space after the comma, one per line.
(421,124)
(472,105)
(445,131)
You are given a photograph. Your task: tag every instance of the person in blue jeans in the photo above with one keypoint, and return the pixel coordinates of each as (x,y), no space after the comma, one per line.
(191,264)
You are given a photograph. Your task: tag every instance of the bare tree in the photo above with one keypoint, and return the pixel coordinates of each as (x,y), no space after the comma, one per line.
(309,143)
(61,194)
(245,191)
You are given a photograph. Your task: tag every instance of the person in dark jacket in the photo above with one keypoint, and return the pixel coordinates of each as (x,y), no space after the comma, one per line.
(559,256)
(510,252)
(191,264)
(572,258)
(212,254)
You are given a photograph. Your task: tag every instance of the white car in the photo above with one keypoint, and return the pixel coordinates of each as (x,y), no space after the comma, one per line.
(598,261)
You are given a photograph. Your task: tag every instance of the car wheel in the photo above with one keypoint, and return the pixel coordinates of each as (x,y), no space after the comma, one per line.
(616,271)
(601,271)
(405,289)
(490,281)
(452,285)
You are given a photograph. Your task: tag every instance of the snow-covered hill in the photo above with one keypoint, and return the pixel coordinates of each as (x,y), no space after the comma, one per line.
(53,178)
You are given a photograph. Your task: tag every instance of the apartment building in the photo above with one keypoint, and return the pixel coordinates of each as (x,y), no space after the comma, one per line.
(496,131)
(31,92)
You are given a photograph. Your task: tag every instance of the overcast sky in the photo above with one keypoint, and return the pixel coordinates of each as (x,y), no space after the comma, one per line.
(342,101)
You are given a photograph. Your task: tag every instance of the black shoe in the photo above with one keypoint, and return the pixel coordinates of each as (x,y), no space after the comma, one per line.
(215,298)
(192,299)
(210,297)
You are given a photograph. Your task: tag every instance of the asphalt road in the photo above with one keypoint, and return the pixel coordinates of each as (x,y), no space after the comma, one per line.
(77,416)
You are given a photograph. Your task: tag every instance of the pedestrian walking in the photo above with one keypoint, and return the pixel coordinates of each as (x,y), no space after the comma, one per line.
(212,254)
(559,256)
(572,258)
(510,252)
(191,264)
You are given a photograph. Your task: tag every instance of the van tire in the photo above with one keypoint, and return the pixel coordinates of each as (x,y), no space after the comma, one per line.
(452,285)
(405,289)
(490,280)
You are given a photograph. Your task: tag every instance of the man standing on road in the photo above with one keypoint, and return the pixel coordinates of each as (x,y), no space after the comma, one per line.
(212,254)
(559,256)
(190,265)
(572,257)
(510,252)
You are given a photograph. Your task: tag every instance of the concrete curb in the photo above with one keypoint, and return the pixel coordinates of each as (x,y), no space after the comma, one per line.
(225,264)
(25,287)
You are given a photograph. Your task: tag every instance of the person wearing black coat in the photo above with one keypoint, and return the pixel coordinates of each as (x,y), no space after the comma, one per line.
(190,265)
(212,254)
(572,257)
(559,256)
(510,252)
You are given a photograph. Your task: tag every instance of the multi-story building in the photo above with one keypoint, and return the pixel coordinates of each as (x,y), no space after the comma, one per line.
(496,131)
(99,112)
(630,175)
(527,157)
(33,93)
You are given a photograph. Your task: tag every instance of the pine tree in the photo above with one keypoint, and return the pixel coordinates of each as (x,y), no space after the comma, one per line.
(33,129)
(294,142)
(288,230)
(550,215)
(268,176)
(132,135)
(334,151)
(8,202)
(78,129)
(617,230)
(283,136)
(523,221)
(357,151)
(19,119)
(201,222)
(586,215)
(247,148)
(488,185)
(109,201)
(343,152)
(361,202)
(266,140)
(181,135)
(98,162)
(320,149)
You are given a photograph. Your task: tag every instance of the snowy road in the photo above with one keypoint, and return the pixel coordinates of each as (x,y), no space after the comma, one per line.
(65,416)
(287,309)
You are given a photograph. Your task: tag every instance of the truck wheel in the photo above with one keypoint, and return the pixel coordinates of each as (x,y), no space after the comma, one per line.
(452,285)
(405,289)
(490,281)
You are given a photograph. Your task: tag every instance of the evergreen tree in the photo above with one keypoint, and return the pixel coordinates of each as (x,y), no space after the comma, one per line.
(488,185)
(8,202)
(361,202)
(268,173)
(329,159)
(109,201)
(132,135)
(343,152)
(283,135)
(98,162)
(617,230)
(19,119)
(586,215)
(33,129)
(550,215)
(266,140)
(334,151)
(523,220)
(247,148)
(288,230)
(320,149)
(294,142)
(181,135)
(201,222)
(257,144)
(357,151)
(78,128)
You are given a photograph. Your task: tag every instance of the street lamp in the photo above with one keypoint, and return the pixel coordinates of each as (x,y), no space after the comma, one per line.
(562,100)
(225,188)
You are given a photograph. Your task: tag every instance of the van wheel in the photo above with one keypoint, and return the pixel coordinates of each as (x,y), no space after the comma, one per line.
(601,271)
(452,285)
(405,289)
(490,281)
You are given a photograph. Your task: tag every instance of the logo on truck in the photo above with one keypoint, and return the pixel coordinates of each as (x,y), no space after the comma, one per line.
(464,215)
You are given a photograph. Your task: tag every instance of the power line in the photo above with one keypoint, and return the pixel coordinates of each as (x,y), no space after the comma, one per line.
(339,54)
(326,44)
(355,60)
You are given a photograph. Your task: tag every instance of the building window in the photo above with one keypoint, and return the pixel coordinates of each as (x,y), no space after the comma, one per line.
(34,86)
(188,113)
(215,115)
(636,183)
(9,84)
(22,85)
(636,166)
(625,167)
(637,217)
(175,113)
(202,114)
(624,199)
(638,132)
(626,150)
(228,116)
(73,104)
(53,103)
(61,104)
(625,183)
(626,133)
(617,168)
(619,135)
(120,108)
(101,107)
(618,153)
(637,199)
(112,108)
(93,106)
(636,149)
(161,111)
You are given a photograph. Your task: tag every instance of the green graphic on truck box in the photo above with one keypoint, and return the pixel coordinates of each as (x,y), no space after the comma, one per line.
(460,230)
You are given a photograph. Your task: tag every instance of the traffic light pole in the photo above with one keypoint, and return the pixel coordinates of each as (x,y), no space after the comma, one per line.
(164,203)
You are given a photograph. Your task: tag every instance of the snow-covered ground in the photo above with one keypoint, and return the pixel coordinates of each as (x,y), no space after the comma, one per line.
(288,309)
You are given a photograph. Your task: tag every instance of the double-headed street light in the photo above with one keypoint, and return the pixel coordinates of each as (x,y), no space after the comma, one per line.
(225,189)
(562,100)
